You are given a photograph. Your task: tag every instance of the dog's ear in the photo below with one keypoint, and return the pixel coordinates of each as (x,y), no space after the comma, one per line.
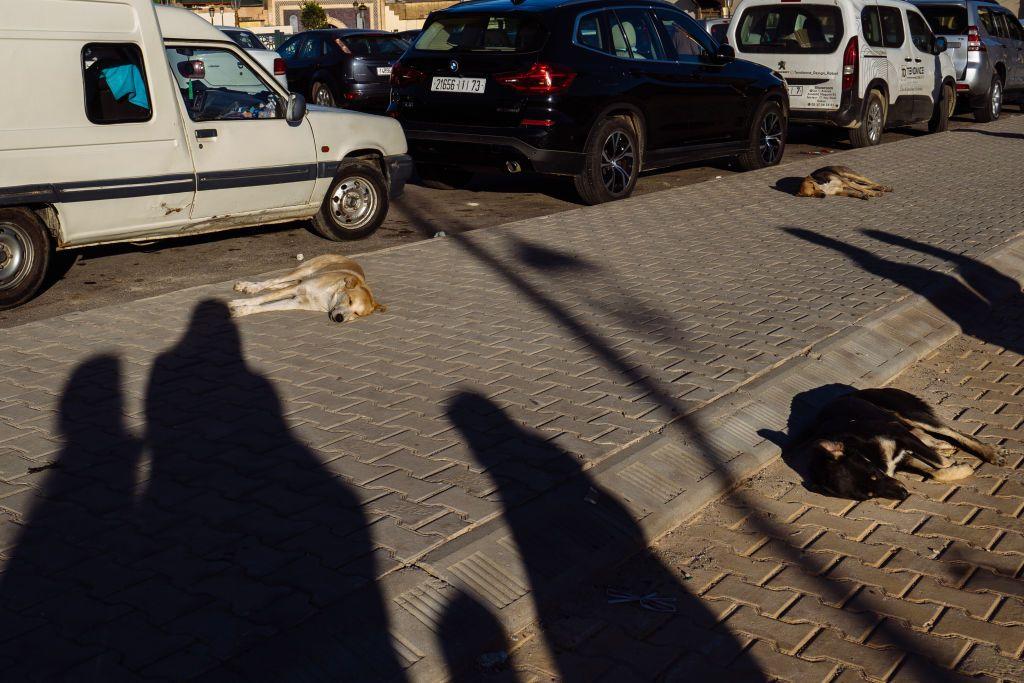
(351,282)
(833,448)
(380,307)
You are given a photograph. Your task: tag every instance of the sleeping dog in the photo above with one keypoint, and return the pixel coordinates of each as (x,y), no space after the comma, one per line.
(861,438)
(332,284)
(840,181)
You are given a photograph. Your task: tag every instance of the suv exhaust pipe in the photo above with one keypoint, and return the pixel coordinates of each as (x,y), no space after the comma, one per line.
(513,167)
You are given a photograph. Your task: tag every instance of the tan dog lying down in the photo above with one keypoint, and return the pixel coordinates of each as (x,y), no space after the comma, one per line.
(839,181)
(333,284)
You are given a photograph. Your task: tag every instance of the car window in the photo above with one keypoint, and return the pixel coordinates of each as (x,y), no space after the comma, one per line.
(380,47)
(245,40)
(217,85)
(871,25)
(683,37)
(790,29)
(1016,33)
(290,47)
(588,31)
(945,20)
(483,33)
(920,34)
(720,33)
(1006,22)
(312,48)
(639,34)
(892,26)
(988,21)
(115,84)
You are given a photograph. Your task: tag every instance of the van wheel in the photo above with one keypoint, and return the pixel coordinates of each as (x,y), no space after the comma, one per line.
(943,110)
(25,251)
(322,95)
(767,138)
(438,177)
(612,163)
(356,204)
(993,105)
(869,132)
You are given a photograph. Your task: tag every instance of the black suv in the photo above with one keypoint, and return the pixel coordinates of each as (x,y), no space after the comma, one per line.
(591,89)
(342,68)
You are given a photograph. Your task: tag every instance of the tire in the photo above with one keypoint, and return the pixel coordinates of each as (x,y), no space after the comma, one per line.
(26,249)
(439,177)
(356,203)
(869,132)
(943,110)
(612,163)
(322,95)
(767,138)
(993,105)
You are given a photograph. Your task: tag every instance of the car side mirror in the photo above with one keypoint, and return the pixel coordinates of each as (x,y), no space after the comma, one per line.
(192,69)
(725,52)
(296,108)
(939,46)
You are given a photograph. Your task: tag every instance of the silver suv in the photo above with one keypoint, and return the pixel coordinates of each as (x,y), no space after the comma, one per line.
(986,43)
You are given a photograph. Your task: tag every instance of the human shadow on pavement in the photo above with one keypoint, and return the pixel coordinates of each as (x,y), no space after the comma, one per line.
(228,553)
(984,291)
(569,519)
(991,133)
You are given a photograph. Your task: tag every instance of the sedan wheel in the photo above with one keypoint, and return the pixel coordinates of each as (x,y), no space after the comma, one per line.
(617,161)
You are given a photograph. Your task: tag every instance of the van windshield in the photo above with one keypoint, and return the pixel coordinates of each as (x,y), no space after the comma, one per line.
(790,29)
(483,33)
(945,20)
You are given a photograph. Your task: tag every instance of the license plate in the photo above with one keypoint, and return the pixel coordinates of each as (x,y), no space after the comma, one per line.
(383,70)
(795,90)
(454,84)
(952,45)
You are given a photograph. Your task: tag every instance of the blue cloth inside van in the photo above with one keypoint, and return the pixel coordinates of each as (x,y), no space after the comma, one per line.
(126,79)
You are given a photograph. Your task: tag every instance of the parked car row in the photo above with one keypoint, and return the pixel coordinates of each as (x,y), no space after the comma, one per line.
(165,126)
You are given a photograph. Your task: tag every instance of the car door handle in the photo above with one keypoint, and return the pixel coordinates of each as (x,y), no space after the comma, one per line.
(206,133)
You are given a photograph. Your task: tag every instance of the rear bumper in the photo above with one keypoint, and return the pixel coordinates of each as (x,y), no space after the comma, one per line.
(366,96)
(488,152)
(848,115)
(974,85)
(399,168)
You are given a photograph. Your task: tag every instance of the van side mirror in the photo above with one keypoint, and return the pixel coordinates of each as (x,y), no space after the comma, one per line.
(939,46)
(725,52)
(296,108)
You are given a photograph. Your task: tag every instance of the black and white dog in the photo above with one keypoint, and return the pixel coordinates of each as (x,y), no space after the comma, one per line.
(861,438)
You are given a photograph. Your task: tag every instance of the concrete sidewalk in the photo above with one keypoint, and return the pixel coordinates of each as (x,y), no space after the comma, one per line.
(187,495)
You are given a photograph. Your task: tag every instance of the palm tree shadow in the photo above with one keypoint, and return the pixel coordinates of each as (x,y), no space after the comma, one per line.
(569,519)
(982,296)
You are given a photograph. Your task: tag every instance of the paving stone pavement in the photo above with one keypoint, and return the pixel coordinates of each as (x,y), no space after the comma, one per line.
(822,589)
(184,495)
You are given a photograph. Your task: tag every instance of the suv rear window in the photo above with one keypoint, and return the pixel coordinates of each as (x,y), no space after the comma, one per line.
(945,20)
(483,33)
(790,29)
(245,40)
(387,47)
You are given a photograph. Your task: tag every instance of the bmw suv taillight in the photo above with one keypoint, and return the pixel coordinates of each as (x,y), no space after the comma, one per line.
(850,64)
(402,75)
(279,67)
(540,79)
(974,43)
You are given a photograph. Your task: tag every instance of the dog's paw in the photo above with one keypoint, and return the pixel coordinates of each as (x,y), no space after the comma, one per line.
(999,457)
(236,309)
(247,287)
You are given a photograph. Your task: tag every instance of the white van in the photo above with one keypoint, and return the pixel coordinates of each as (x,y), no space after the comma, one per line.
(127,122)
(866,65)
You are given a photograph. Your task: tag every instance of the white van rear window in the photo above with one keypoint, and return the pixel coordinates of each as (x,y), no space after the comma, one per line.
(790,29)
(115,84)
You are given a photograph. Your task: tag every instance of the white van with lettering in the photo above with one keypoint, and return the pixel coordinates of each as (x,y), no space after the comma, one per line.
(865,65)
(128,122)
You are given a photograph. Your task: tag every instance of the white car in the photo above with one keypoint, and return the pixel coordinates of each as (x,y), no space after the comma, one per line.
(865,65)
(268,59)
(137,121)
